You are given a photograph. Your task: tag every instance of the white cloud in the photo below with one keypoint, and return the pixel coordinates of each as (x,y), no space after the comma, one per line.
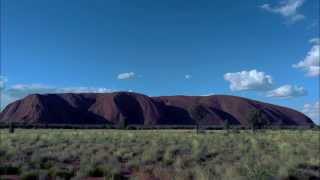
(128,75)
(287,91)
(287,9)
(3,81)
(313,111)
(209,94)
(187,76)
(315,40)
(314,24)
(19,91)
(44,89)
(84,90)
(249,80)
(311,63)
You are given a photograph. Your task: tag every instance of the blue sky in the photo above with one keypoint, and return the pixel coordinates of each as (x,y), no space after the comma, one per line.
(267,50)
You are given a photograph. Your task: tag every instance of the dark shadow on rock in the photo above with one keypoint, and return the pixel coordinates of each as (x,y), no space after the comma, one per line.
(129,108)
(175,115)
(225,116)
(278,118)
(58,111)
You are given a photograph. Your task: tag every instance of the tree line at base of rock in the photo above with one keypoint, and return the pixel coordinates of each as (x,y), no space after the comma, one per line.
(13,125)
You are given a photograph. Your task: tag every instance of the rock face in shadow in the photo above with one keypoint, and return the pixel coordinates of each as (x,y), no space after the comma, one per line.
(108,108)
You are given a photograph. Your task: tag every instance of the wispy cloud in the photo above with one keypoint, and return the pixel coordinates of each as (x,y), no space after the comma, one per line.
(127,75)
(314,24)
(311,63)
(188,76)
(315,41)
(287,9)
(313,111)
(249,80)
(209,94)
(3,80)
(19,91)
(287,91)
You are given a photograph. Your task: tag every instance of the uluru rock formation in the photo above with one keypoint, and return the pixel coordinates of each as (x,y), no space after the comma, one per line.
(109,108)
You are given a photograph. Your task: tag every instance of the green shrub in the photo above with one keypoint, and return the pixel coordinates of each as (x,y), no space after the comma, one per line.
(96,171)
(31,175)
(11,127)
(61,173)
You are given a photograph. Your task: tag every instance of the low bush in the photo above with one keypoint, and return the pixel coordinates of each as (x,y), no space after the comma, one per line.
(31,175)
